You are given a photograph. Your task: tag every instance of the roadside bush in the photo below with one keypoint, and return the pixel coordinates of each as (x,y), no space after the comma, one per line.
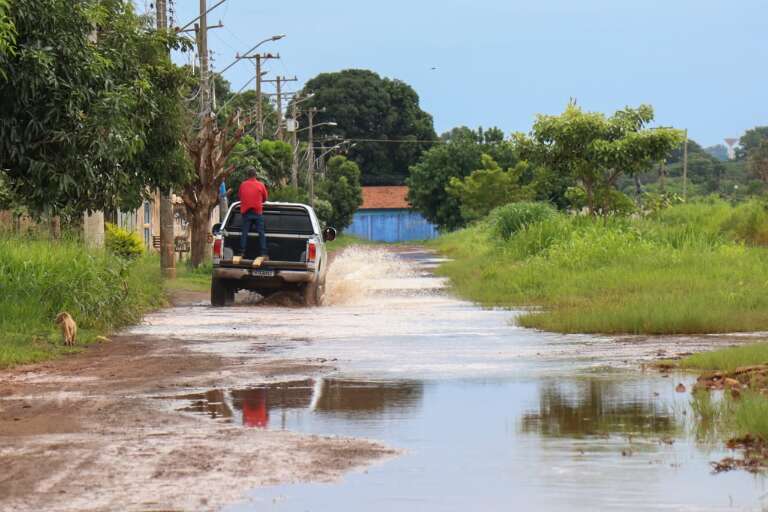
(748,223)
(509,219)
(123,243)
(38,279)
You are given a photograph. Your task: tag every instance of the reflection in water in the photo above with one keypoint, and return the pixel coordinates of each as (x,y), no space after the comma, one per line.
(596,407)
(346,397)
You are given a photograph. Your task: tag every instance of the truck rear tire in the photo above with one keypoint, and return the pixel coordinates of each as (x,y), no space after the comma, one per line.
(221,293)
(314,294)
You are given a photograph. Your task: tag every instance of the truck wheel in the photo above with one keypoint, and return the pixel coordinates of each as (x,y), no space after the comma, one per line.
(314,294)
(221,294)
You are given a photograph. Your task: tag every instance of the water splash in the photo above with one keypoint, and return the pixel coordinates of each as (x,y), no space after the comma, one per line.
(357,272)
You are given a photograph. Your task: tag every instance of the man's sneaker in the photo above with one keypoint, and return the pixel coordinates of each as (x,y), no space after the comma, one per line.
(258,261)
(236,259)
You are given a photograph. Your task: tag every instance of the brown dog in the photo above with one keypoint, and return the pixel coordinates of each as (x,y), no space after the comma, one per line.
(68,327)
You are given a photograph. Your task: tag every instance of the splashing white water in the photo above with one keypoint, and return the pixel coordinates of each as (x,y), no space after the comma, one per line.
(358,271)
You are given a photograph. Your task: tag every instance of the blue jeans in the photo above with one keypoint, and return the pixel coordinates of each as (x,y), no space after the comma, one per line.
(250,218)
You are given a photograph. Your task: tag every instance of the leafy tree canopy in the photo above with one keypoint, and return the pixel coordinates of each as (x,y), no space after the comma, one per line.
(271,157)
(456,158)
(75,115)
(489,187)
(341,188)
(751,140)
(596,150)
(367,106)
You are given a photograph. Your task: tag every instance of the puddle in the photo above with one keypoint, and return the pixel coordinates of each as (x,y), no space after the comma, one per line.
(490,416)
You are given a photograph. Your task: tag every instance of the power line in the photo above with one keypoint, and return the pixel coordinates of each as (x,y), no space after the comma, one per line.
(399,141)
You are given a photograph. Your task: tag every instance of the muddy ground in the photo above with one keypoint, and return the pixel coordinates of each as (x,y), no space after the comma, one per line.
(80,434)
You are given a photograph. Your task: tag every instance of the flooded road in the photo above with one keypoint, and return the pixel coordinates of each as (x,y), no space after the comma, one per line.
(488,416)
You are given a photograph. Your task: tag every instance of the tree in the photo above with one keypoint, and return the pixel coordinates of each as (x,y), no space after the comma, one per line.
(272,158)
(757,161)
(751,140)
(208,149)
(75,116)
(457,158)
(367,106)
(489,187)
(341,188)
(596,150)
(245,102)
(7,33)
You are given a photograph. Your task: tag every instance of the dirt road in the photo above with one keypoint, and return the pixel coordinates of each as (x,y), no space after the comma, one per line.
(85,433)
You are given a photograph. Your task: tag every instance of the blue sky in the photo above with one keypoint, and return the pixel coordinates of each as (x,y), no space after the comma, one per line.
(702,64)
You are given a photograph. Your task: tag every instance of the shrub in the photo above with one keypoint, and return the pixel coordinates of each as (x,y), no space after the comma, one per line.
(123,243)
(748,223)
(509,219)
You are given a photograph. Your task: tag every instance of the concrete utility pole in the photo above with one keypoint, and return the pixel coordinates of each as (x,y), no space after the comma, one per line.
(685,167)
(279,80)
(259,108)
(167,243)
(311,155)
(93,223)
(295,146)
(202,49)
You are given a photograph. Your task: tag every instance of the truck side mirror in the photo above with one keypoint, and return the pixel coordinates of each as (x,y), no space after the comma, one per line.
(329,234)
(216,228)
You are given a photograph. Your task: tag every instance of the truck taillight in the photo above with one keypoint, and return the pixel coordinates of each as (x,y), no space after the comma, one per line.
(218,245)
(311,251)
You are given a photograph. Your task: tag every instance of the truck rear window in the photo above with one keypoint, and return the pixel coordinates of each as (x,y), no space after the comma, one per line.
(290,221)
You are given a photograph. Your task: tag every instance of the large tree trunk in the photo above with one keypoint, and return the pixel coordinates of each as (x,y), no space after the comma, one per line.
(199,224)
(208,151)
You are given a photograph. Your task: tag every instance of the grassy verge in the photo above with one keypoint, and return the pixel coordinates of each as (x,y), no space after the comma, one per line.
(745,415)
(191,279)
(343,241)
(689,269)
(38,279)
(727,359)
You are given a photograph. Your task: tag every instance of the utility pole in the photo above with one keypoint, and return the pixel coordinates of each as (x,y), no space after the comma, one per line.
(295,146)
(311,155)
(93,222)
(259,107)
(685,167)
(167,245)
(279,81)
(202,49)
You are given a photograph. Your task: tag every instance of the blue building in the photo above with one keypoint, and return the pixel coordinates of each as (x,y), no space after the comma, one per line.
(386,216)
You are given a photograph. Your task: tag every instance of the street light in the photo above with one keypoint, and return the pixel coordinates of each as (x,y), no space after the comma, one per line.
(327,123)
(239,57)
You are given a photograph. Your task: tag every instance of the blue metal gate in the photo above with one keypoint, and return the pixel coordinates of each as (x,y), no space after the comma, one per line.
(391,226)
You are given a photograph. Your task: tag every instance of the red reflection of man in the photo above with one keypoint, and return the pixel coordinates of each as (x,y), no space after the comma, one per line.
(255,412)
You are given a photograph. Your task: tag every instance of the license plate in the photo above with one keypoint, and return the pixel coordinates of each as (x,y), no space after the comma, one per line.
(263,273)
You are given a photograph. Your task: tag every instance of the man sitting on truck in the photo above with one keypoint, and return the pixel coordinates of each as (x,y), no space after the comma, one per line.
(253,194)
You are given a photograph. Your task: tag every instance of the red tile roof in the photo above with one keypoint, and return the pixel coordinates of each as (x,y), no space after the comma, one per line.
(375,198)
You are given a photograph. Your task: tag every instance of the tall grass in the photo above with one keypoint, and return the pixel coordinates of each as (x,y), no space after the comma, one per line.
(683,271)
(38,279)
(727,359)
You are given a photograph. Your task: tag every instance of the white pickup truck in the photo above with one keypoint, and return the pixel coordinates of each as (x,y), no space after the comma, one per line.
(298,260)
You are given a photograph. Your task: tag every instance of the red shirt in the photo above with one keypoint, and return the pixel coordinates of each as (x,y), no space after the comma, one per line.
(252,195)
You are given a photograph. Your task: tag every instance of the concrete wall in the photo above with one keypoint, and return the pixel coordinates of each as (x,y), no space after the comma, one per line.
(391,226)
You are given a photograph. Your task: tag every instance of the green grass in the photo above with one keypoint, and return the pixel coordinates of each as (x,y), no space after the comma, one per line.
(38,279)
(727,359)
(684,271)
(725,416)
(193,279)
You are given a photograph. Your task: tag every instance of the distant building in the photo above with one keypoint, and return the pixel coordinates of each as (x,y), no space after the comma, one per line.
(386,216)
